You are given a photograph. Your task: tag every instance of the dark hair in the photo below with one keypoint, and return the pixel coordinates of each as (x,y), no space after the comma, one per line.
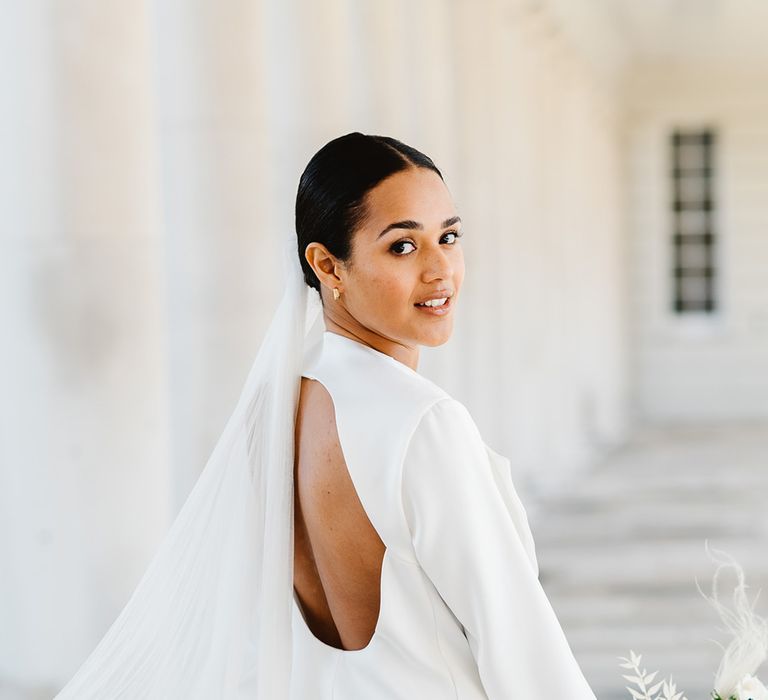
(331,199)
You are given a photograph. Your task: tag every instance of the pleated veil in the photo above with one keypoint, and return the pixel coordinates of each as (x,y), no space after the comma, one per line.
(211,617)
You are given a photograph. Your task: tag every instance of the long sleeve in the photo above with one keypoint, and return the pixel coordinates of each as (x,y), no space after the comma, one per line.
(467,539)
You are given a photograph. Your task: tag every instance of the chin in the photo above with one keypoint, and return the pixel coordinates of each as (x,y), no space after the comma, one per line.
(436,338)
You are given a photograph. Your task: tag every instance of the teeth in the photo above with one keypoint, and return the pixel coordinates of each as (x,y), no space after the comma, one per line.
(436,302)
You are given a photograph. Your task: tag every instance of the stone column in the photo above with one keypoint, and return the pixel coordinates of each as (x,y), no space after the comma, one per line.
(213,82)
(83,453)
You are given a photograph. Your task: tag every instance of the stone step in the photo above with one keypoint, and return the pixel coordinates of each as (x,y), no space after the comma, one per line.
(620,553)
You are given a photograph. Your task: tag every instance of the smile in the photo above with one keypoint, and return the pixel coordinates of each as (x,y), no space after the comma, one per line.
(435,307)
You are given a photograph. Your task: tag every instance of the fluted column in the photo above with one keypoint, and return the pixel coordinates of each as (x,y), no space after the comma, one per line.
(83,454)
(220,247)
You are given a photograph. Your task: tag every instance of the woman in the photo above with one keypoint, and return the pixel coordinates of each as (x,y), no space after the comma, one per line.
(344,470)
(415,574)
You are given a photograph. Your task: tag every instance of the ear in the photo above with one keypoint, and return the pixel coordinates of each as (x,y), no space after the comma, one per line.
(324,265)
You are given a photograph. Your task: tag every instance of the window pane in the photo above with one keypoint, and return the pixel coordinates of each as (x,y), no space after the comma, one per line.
(692,222)
(693,255)
(692,189)
(690,156)
(694,289)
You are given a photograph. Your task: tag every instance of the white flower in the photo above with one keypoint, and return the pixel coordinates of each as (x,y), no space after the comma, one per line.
(750,688)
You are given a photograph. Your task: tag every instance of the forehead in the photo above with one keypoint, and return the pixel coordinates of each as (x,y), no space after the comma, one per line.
(415,193)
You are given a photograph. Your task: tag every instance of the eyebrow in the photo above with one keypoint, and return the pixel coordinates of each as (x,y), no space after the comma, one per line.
(411,224)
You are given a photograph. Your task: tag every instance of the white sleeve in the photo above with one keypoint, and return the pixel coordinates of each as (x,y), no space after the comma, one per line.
(465,537)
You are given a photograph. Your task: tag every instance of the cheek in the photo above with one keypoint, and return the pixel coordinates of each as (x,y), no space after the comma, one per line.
(384,283)
(458,271)
(385,289)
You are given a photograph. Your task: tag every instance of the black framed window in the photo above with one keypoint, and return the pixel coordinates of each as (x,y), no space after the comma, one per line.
(693,207)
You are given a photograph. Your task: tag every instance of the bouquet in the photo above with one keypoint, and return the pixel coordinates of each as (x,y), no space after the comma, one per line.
(735,679)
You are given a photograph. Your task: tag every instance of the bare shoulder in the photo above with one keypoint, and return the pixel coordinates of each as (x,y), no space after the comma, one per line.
(320,465)
(315,402)
(316,432)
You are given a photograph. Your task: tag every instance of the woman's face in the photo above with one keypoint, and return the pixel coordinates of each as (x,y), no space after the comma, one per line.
(407,251)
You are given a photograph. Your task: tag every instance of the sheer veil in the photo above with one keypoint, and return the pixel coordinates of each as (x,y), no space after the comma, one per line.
(211,617)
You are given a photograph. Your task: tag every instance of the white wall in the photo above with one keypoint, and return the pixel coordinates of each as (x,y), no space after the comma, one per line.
(707,368)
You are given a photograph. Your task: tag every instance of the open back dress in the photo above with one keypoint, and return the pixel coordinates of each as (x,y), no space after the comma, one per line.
(462,613)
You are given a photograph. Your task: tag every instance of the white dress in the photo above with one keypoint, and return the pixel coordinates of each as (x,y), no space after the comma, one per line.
(462,613)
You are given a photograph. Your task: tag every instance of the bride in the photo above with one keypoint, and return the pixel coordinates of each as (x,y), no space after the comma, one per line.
(351,536)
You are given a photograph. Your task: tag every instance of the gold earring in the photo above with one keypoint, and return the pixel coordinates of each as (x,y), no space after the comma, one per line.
(336,294)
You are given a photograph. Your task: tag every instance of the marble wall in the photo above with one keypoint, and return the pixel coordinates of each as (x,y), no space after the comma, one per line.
(713,367)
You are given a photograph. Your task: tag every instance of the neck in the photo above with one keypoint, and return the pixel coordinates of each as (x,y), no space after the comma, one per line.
(407,354)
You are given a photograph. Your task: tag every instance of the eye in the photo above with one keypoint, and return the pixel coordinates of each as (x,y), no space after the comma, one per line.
(399,243)
(456,235)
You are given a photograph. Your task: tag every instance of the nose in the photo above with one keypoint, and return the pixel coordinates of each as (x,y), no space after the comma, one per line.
(437,264)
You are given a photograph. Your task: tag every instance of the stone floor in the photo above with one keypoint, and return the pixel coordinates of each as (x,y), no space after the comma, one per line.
(621,553)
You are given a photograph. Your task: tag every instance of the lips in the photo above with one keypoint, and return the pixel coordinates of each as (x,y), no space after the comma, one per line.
(440,294)
(436,310)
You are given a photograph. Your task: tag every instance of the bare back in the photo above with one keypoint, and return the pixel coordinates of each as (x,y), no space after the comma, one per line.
(337,552)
